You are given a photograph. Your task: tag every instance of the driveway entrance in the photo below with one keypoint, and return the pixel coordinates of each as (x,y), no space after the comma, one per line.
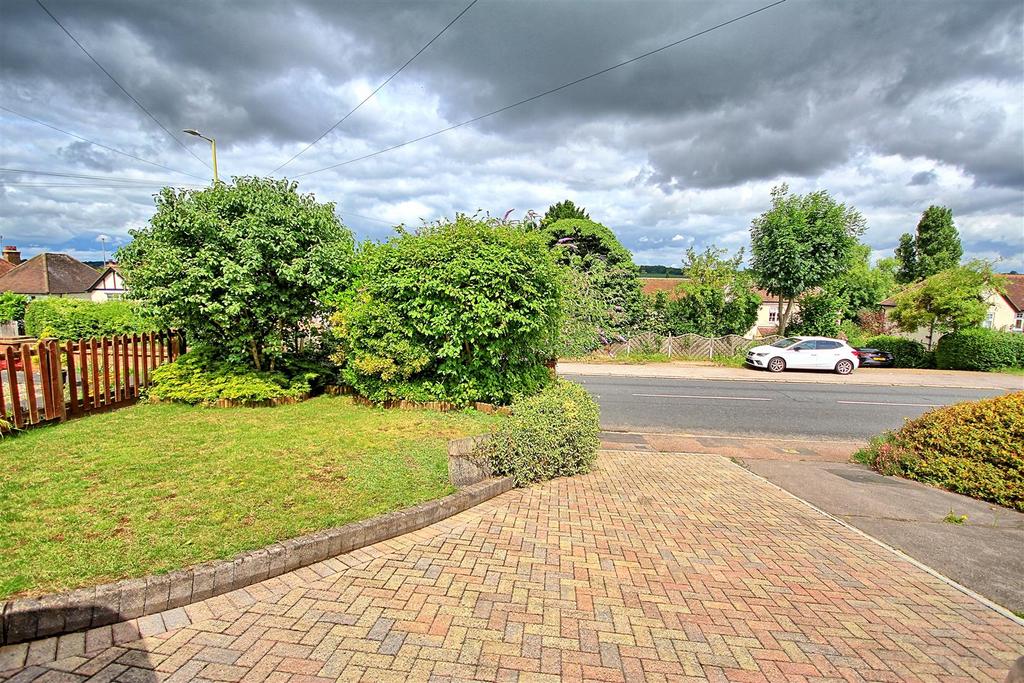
(655,566)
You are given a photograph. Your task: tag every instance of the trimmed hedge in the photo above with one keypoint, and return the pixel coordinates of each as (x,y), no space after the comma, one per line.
(196,379)
(980,349)
(73,319)
(551,434)
(908,353)
(974,448)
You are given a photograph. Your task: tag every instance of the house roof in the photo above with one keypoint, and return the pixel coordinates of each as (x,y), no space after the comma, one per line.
(111,268)
(653,285)
(48,273)
(6,266)
(1015,292)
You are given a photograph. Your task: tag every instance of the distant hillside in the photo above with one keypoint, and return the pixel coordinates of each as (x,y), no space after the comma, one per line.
(660,271)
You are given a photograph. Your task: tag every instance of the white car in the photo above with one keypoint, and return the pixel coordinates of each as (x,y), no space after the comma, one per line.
(805,353)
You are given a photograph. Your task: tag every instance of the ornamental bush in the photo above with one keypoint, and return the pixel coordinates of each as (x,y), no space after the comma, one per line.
(12,306)
(908,353)
(462,311)
(972,448)
(551,434)
(73,319)
(980,349)
(197,378)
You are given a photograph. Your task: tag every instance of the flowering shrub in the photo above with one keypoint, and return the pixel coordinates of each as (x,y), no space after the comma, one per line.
(974,448)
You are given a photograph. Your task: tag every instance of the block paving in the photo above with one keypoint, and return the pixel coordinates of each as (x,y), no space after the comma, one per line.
(656,566)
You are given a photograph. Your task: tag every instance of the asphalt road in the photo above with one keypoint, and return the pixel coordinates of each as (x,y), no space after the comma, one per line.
(778,409)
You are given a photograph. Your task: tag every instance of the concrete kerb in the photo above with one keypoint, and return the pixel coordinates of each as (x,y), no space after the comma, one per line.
(59,615)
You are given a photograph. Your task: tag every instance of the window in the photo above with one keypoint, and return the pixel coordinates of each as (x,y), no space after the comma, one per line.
(784,343)
(773,315)
(1018,321)
(827,345)
(809,345)
(989,318)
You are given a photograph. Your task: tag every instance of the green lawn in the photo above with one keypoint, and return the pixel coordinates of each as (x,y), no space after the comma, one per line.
(153,488)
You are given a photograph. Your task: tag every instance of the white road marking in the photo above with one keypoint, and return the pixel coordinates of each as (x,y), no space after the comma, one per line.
(719,398)
(881,403)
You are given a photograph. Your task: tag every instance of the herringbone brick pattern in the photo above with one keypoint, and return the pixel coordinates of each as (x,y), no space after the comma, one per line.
(655,566)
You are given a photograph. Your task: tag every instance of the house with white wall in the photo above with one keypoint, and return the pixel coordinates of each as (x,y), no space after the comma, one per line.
(767,312)
(109,286)
(50,275)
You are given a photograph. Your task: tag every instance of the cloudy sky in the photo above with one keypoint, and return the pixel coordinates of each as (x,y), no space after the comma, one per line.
(890,105)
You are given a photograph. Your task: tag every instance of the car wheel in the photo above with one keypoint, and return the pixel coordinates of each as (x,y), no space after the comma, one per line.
(776,365)
(844,367)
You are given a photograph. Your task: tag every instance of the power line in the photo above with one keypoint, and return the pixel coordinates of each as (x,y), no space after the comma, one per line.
(98,144)
(545,93)
(61,174)
(148,113)
(378,89)
(91,186)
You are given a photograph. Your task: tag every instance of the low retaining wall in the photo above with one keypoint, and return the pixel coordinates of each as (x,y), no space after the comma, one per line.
(33,618)
(466,465)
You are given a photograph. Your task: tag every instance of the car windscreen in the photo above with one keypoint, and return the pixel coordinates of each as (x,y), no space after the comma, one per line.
(784,343)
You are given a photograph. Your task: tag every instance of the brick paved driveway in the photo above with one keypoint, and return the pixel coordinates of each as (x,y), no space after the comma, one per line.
(657,566)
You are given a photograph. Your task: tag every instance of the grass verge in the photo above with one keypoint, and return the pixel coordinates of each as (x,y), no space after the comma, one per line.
(153,488)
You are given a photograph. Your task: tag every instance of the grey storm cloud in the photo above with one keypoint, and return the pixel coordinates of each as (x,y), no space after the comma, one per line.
(809,92)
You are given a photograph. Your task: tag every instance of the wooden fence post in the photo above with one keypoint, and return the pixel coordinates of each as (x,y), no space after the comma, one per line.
(83,362)
(30,383)
(118,395)
(69,352)
(95,373)
(12,380)
(105,347)
(59,407)
(135,365)
(145,361)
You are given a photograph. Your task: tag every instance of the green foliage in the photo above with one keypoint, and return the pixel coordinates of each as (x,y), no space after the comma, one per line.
(238,267)
(934,247)
(198,378)
(584,314)
(74,319)
(464,310)
(551,434)
(589,241)
(971,448)
(660,271)
(853,333)
(802,242)
(953,518)
(947,301)
(819,315)
(908,353)
(566,209)
(980,349)
(12,306)
(863,287)
(717,296)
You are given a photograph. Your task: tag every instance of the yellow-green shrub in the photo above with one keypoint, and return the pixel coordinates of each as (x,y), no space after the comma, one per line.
(974,448)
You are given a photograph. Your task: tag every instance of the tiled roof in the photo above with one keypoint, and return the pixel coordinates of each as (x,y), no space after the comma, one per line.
(1015,291)
(6,266)
(48,273)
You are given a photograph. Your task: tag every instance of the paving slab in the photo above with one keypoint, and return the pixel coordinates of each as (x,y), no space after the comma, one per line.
(983,554)
(654,566)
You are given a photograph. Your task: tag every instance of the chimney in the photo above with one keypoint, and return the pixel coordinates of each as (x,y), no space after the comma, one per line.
(12,255)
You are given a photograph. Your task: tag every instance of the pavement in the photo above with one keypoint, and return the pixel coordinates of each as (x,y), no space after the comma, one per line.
(984,553)
(899,377)
(654,566)
(776,409)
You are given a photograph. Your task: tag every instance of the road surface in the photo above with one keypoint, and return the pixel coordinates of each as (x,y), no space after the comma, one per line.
(778,409)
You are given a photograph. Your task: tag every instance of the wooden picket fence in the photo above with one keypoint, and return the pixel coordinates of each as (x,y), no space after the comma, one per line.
(53,381)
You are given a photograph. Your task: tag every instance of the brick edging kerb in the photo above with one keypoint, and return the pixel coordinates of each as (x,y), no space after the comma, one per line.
(32,618)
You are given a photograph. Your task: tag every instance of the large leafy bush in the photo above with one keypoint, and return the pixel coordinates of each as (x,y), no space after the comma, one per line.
(72,319)
(819,315)
(717,298)
(551,434)
(197,378)
(980,349)
(12,306)
(241,268)
(908,353)
(464,310)
(975,448)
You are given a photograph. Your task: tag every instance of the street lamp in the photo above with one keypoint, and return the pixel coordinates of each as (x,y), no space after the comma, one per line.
(213,147)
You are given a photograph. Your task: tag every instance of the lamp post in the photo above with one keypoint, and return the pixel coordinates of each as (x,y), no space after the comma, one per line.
(213,147)
(103,241)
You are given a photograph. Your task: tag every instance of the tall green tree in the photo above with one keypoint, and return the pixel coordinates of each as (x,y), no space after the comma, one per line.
(949,301)
(801,242)
(934,247)
(566,209)
(717,298)
(239,267)
(862,287)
